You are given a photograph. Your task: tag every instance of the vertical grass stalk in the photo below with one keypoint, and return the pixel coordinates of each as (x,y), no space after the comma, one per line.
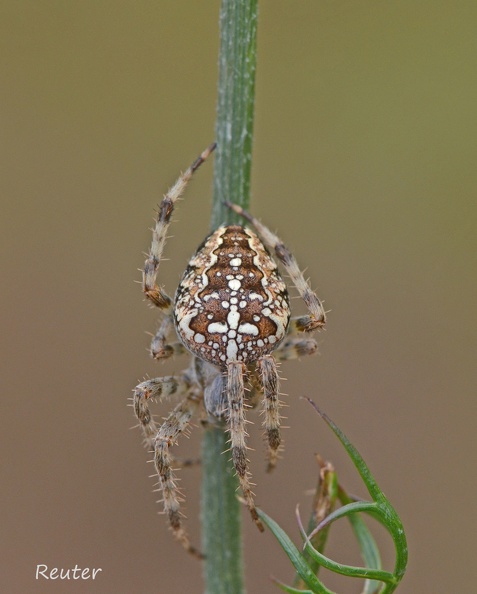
(235,102)
(221,511)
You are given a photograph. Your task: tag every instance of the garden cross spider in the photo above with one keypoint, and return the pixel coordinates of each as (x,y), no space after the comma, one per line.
(231,311)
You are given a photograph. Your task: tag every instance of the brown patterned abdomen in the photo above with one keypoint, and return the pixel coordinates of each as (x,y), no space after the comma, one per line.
(232,304)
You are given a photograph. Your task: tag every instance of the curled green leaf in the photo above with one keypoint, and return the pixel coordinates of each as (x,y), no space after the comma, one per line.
(307,563)
(298,561)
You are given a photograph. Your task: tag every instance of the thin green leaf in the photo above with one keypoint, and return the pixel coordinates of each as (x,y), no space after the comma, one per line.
(383,511)
(349,570)
(341,512)
(297,559)
(291,590)
(367,544)
(360,464)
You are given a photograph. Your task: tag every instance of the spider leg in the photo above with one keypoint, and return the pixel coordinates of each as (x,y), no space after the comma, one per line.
(160,388)
(255,390)
(271,405)
(160,348)
(294,347)
(176,423)
(152,291)
(236,422)
(317,318)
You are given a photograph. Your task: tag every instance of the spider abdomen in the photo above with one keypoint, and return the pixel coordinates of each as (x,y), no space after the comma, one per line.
(232,304)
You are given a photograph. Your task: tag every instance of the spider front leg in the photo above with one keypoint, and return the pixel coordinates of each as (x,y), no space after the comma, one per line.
(308,323)
(159,234)
(160,348)
(236,423)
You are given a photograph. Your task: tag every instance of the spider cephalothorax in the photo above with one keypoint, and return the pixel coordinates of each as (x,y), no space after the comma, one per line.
(231,311)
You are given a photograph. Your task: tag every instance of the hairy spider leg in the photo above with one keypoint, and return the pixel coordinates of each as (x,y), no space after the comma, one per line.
(160,347)
(271,405)
(294,347)
(153,292)
(236,424)
(317,318)
(175,425)
(157,388)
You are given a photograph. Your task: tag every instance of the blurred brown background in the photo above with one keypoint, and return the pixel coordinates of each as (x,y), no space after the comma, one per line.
(364,160)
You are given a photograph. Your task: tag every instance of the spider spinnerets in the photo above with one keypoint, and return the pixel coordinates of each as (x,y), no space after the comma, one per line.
(231,312)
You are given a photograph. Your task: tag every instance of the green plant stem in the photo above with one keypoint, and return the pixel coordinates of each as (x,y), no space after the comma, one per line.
(221,529)
(235,102)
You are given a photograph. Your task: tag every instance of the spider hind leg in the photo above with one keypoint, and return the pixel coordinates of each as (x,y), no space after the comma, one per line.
(236,425)
(271,404)
(173,426)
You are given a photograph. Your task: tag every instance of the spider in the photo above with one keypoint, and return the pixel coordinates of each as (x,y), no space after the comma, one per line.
(231,312)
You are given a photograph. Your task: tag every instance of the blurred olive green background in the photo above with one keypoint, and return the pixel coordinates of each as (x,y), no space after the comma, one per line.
(364,160)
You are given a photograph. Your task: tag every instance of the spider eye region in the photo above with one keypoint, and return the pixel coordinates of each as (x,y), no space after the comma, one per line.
(231,304)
